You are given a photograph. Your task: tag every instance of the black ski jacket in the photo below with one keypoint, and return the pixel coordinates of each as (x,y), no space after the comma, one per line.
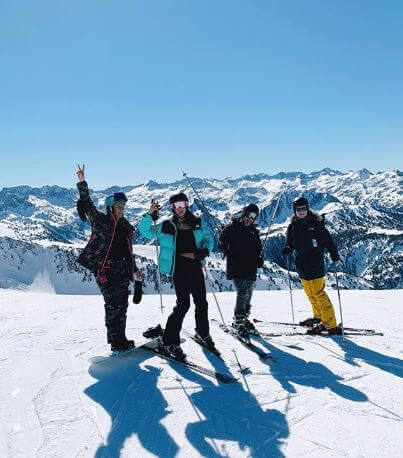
(242,246)
(96,256)
(309,238)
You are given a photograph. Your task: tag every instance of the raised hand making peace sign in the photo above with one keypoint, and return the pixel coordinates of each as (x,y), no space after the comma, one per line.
(80,173)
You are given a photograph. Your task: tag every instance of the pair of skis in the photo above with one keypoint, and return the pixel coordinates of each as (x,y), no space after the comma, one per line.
(215,352)
(246,343)
(349,331)
(150,345)
(191,365)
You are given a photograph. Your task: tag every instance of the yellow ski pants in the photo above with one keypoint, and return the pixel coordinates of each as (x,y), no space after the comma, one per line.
(321,305)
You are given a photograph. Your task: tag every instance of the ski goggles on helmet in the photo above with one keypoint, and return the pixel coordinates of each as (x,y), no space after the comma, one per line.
(303,208)
(180,204)
(251,215)
(117,198)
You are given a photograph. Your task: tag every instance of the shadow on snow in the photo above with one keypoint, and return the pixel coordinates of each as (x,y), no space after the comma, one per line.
(296,370)
(129,394)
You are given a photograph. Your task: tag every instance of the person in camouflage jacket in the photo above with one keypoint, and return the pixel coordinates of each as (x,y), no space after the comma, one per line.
(109,256)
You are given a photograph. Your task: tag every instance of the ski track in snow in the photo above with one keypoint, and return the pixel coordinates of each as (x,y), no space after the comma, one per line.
(63,396)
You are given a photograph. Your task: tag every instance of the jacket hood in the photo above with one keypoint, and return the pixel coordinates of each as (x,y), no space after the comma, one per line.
(311,215)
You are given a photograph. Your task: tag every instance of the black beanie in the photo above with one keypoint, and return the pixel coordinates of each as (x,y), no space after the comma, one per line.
(178,198)
(251,208)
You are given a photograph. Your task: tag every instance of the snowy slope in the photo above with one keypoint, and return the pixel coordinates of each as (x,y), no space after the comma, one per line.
(364,210)
(61,396)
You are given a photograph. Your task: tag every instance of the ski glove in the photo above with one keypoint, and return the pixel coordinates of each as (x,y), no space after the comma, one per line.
(138,291)
(335,257)
(287,250)
(202,253)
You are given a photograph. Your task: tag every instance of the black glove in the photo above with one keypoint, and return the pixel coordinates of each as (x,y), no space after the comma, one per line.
(202,253)
(260,262)
(155,215)
(138,291)
(287,250)
(335,257)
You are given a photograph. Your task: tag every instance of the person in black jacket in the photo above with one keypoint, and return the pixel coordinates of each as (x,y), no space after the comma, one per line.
(308,236)
(108,255)
(240,243)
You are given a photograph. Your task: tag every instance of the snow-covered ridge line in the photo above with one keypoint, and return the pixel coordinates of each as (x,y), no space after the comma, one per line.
(364,211)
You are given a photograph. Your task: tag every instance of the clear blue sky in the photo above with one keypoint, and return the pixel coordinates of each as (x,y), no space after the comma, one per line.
(142,89)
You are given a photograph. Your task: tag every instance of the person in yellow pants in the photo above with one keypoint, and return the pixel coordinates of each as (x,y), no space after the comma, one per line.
(321,305)
(307,235)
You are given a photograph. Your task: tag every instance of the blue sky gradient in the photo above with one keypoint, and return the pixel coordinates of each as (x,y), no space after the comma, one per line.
(143,89)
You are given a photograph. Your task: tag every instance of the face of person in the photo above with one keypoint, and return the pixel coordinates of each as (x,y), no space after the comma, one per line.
(301,211)
(118,210)
(180,208)
(247,220)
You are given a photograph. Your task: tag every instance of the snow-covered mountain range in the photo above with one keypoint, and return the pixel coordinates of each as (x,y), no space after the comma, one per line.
(40,232)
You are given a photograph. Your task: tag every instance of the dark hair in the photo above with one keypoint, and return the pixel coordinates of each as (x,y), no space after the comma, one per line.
(251,208)
(178,198)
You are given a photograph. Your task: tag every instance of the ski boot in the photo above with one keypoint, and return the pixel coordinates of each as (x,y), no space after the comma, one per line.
(250,327)
(316,330)
(336,331)
(309,322)
(171,350)
(122,346)
(207,341)
(153,332)
(239,326)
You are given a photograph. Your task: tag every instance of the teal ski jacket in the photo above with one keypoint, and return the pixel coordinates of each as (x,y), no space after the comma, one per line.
(166,232)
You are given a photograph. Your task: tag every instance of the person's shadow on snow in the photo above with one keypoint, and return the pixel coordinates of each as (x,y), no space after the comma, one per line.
(291,369)
(354,352)
(135,404)
(228,412)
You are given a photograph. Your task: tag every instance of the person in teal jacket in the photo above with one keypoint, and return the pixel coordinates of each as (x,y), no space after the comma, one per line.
(185,241)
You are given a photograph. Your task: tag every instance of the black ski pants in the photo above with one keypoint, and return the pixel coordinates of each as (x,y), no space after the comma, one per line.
(188,280)
(116,297)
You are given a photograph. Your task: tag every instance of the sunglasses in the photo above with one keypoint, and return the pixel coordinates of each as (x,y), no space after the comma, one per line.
(251,215)
(301,209)
(180,204)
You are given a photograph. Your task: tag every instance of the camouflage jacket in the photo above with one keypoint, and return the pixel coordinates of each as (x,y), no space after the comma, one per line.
(95,255)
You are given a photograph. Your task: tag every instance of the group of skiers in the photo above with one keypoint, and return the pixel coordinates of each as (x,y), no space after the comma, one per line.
(185,241)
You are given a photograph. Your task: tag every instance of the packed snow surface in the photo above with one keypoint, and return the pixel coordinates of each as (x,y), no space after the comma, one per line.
(63,396)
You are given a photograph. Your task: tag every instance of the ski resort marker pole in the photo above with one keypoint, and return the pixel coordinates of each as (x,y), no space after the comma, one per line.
(272,217)
(158,264)
(290,288)
(215,297)
(341,312)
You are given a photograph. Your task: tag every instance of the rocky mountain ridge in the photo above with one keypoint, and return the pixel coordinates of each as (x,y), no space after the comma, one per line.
(40,228)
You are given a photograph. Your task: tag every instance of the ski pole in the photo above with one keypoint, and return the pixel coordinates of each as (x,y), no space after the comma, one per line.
(338,294)
(272,218)
(214,295)
(203,204)
(158,265)
(290,288)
